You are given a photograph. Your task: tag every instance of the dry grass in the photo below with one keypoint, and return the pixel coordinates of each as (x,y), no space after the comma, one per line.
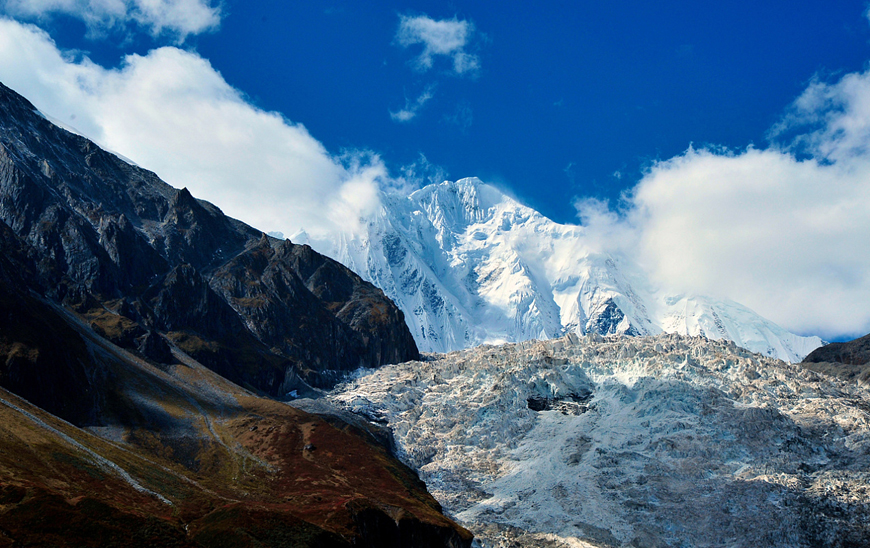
(238,469)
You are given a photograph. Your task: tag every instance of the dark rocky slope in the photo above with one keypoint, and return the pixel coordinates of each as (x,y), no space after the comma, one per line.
(40,355)
(137,256)
(848,360)
(125,305)
(182,457)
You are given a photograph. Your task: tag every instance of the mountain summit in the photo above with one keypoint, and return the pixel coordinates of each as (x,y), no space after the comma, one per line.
(468,264)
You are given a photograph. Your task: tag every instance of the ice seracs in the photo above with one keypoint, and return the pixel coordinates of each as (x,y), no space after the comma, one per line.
(630,441)
(468,264)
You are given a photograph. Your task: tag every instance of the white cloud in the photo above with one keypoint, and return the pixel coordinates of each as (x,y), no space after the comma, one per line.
(607,231)
(446,37)
(785,230)
(830,121)
(412,108)
(416,175)
(179,18)
(171,112)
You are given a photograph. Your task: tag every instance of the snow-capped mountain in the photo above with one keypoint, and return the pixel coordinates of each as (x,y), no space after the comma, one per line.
(468,264)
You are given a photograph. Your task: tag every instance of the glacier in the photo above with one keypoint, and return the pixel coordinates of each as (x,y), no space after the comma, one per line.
(469,265)
(646,441)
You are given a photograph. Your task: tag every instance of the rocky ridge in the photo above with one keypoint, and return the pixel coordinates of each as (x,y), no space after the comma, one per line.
(848,360)
(137,256)
(621,441)
(140,331)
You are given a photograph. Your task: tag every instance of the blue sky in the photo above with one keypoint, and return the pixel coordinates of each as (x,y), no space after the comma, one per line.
(567,94)
(570,98)
(738,132)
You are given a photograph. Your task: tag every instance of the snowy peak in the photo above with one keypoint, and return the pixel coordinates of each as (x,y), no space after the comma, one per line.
(468,264)
(456,205)
(468,209)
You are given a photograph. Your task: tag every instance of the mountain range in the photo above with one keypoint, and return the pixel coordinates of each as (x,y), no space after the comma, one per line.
(468,264)
(170,376)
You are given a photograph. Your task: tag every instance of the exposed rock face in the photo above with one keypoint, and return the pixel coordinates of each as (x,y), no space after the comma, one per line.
(41,357)
(125,307)
(106,235)
(284,289)
(856,352)
(152,346)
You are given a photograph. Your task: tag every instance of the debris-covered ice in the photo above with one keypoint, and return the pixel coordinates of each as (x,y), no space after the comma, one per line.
(622,441)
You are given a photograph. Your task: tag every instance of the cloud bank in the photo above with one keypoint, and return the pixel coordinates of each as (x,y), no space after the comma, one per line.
(784,230)
(178,18)
(172,112)
(445,37)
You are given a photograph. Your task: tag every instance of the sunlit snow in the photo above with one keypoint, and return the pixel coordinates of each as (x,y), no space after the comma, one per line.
(468,265)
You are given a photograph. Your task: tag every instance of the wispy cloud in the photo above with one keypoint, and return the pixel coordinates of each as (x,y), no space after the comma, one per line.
(417,174)
(784,230)
(412,107)
(829,121)
(445,37)
(462,117)
(571,172)
(173,113)
(176,18)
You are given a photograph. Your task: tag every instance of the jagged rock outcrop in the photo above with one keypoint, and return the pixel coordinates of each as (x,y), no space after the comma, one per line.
(282,289)
(109,236)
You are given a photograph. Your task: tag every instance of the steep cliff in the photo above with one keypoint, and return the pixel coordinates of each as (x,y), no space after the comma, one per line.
(114,241)
(140,331)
